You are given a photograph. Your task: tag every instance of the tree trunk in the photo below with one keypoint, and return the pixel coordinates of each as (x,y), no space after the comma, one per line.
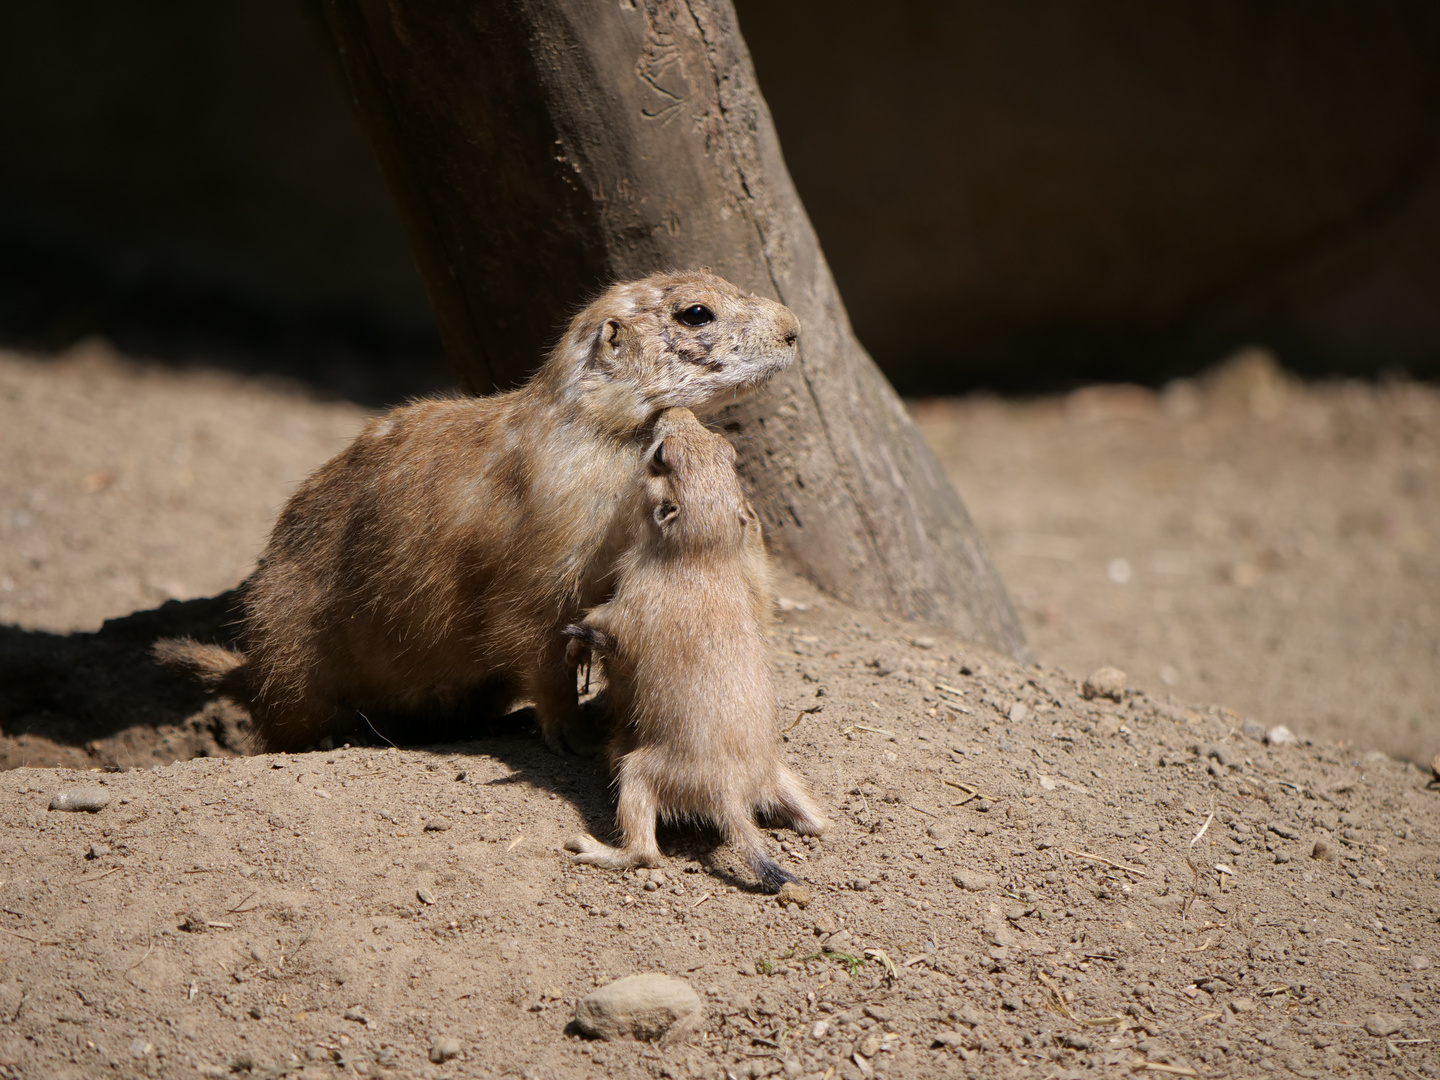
(540,149)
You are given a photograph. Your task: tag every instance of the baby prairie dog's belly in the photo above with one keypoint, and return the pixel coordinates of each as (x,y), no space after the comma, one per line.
(693,780)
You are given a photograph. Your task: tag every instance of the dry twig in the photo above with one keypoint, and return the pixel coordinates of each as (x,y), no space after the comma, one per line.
(1196,839)
(1107,862)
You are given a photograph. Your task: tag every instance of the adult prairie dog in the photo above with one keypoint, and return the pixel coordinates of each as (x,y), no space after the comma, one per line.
(434,564)
(692,698)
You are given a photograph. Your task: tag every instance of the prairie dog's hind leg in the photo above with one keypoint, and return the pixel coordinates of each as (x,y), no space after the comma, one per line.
(592,852)
(636,818)
(793,805)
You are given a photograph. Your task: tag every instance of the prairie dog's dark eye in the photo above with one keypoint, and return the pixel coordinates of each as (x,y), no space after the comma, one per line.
(695,315)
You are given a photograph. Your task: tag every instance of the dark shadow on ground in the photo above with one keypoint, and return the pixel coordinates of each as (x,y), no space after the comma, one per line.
(88,699)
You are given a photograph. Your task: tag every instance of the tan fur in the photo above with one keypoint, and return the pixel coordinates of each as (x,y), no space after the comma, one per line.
(687,663)
(437,560)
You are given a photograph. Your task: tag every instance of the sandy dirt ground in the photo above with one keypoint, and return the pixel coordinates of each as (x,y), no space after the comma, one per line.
(1019,881)
(1243,538)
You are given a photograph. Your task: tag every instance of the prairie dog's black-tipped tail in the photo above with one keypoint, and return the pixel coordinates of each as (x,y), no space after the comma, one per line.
(773,875)
(218,668)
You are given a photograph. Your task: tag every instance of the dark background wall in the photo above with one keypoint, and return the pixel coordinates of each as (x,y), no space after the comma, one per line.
(189,178)
(1021,195)
(1051,188)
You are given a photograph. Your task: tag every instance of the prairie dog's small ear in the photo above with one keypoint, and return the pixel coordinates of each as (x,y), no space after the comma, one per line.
(606,342)
(665,513)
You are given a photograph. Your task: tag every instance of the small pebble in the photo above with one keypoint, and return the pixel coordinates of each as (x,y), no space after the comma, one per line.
(923,642)
(356,1015)
(793,892)
(973,880)
(88,799)
(1252,730)
(1381,1025)
(1019,712)
(1419,962)
(1280,735)
(1322,851)
(97,851)
(442,1050)
(1219,751)
(436,825)
(1107,682)
(425,896)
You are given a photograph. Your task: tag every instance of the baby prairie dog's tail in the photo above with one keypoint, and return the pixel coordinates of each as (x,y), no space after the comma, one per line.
(749,843)
(216,667)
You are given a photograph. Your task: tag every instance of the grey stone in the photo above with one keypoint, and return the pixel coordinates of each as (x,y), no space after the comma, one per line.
(1280,735)
(88,799)
(647,1008)
(1381,1025)
(443,1049)
(1106,682)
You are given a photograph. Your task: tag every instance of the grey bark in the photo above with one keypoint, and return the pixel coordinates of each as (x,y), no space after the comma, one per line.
(539,149)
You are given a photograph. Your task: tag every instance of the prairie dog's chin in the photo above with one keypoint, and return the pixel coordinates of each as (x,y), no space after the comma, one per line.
(735,394)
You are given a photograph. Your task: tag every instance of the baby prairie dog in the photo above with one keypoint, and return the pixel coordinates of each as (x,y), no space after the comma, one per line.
(692,700)
(434,564)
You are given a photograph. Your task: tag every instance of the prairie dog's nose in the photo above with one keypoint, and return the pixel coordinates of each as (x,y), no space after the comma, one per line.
(789,325)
